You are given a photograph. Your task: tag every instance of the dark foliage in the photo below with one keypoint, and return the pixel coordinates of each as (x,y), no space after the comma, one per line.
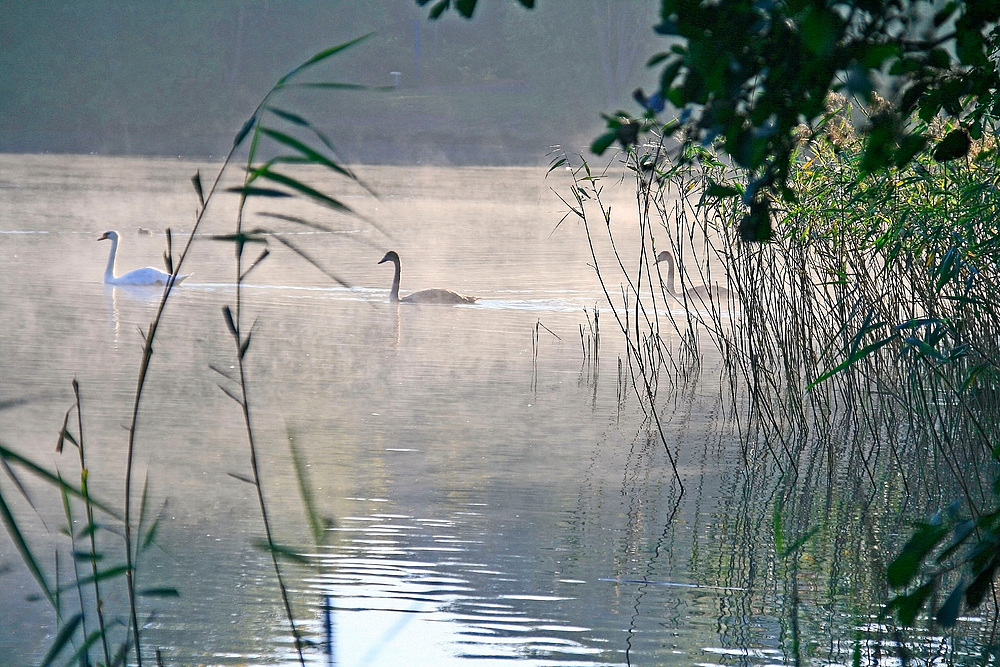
(747,75)
(464,7)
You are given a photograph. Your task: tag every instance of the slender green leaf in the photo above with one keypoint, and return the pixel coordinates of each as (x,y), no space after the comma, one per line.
(242,238)
(22,547)
(144,504)
(62,638)
(223,373)
(313,155)
(245,345)
(316,523)
(231,394)
(799,542)
(80,654)
(151,533)
(321,56)
(921,322)
(230,322)
(982,583)
(947,614)
(242,134)
(253,191)
(908,606)
(310,192)
(253,265)
(283,551)
(64,432)
(923,348)
(948,268)
(298,221)
(960,533)
(302,122)
(904,567)
(293,118)
(851,360)
(242,478)
(334,85)
(9,455)
(110,573)
(161,592)
(304,255)
(196,182)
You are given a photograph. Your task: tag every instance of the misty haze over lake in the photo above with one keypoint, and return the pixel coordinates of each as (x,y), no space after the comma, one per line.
(599,462)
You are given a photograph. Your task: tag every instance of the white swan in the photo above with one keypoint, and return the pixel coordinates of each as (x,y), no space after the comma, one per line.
(144,276)
(442,296)
(700,292)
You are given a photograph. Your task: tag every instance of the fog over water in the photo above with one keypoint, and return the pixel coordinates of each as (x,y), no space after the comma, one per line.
(459,485)
(488,495)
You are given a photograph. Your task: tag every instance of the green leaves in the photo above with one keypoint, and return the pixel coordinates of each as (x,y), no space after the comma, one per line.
(296,185)
(755,226)
(465,8)
(318,58)
(955,145)
(973,549)
(245,130)
(621,128)
(904,568)
(855,352)
(263,181)
(62,639)
(752,73)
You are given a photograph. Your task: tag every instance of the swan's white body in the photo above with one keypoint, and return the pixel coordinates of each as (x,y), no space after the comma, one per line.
(699,292)
(144,276)
(439,296)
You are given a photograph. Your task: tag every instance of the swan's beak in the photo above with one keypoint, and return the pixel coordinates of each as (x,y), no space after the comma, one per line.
(384,259)
(103,236)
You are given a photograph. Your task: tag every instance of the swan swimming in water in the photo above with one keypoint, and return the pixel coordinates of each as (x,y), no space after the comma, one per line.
(442,296)
(700,292)
(144,276)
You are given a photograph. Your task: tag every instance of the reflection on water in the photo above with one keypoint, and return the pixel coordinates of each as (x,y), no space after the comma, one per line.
(403,586)
(492,495)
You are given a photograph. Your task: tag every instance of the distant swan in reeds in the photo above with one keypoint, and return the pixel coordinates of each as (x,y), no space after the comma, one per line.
(700,292)
(441,296)
(144,276)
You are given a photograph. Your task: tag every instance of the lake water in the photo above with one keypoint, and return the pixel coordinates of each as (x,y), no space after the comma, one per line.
(492,493)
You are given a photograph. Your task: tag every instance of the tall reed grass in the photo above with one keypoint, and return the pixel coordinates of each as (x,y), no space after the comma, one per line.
(859,347)
(91,630)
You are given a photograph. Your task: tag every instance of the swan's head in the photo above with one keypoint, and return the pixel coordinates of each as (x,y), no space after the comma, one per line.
(390,256)
(665,256)
(109,235)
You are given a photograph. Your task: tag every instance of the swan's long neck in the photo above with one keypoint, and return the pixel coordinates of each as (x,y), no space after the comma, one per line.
(394,291)
(109,272)
(670,274)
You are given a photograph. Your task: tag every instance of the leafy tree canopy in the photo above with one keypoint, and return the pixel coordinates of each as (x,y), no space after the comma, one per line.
(748,74)
(464,7)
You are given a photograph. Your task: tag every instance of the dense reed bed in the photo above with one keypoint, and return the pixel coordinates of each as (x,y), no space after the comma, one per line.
(860,350)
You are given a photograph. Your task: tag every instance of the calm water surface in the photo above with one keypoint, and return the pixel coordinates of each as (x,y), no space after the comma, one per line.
(488,498)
